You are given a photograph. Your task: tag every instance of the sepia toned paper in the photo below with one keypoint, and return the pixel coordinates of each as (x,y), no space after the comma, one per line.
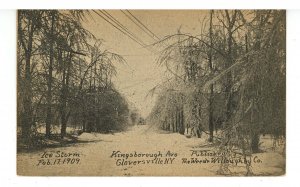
(151,92)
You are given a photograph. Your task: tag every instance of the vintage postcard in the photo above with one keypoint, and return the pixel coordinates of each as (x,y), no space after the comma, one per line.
(151,92)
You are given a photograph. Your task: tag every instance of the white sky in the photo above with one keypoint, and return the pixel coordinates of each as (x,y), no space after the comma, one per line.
(142,73)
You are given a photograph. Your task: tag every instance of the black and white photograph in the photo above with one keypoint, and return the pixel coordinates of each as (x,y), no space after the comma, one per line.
(151,92)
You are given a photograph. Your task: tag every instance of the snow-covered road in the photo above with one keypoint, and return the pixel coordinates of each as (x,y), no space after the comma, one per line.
(140,151)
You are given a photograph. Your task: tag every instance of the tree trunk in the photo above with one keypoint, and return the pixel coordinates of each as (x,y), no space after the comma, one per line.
(228,63)
(255,143)
(64,97)
(254,130)
(63,106)
(49,82)
(172,121)
(176,120)
(27,103)
(83,121)
(27,113)
(254,114)
(228,85)
(210,118)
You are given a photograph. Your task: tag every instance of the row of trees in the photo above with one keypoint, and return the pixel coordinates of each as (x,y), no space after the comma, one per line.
(65,74)
(231,76)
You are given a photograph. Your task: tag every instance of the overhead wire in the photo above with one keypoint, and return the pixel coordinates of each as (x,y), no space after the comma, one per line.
(143,25)
(121,25)
(138,23)
(116,27)
(116,24)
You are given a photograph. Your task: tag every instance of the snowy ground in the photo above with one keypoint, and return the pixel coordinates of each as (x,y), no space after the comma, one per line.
(95,157)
